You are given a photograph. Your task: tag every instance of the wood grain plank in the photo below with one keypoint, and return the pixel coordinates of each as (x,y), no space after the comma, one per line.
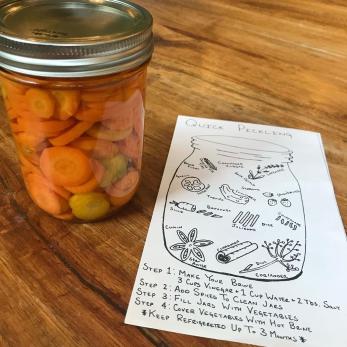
(261,61)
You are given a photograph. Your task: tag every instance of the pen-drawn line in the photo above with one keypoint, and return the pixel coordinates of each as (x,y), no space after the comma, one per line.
(246,222)
(209,267)
(245,216)
(233,195)
(282,252)
(229,156)
(193,184)
(209,164)
(190,246)
(236,251)
(237,217)
(185,206)
(254,220)
(256,155)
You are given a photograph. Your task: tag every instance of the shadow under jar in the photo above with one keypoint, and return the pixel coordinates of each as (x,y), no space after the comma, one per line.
(73,80)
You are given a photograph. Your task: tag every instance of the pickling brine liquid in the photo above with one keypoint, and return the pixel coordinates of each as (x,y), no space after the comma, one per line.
(235,207)
(79,141)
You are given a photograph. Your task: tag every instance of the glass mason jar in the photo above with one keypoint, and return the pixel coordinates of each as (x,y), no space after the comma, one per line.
(73,80)
(234,207)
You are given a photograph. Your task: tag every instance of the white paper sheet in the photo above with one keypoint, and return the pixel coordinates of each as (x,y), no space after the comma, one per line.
(246,242)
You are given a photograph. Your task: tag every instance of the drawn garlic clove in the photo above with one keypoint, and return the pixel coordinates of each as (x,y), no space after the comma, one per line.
(272,202)
(285,202)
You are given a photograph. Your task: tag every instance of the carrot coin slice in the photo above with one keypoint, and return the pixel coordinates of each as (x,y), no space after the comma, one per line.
(125,185)
(97,148)
(41,102)
(119,201)
(71,134)
(44,197)
(89,206)
(93,183)
(68,102)
(100,132)
(65,166)
(45,128)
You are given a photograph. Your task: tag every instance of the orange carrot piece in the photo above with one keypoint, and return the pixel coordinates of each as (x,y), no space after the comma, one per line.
(64,216)
(28,166)
(15,127)
(125,185)
(41,102)
(44,197)
(12,87)
(96,147)
(71,134)
(118,202)
(120,121)
(65,166)
(68,102)
(131,146)
(44,128)
(90,114)
(93,183)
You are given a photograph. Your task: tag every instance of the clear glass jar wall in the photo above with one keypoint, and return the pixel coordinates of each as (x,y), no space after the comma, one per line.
(79,141)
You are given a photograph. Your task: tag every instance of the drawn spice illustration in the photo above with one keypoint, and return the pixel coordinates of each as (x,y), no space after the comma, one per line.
(240,201)
(185,206)
(282,252)
(193,184)
(236,251)
(233,195)
(190,245)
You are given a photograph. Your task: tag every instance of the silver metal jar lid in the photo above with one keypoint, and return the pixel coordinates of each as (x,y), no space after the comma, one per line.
(73,38)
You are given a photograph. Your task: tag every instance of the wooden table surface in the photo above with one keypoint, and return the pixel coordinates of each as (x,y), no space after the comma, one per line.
(270,62)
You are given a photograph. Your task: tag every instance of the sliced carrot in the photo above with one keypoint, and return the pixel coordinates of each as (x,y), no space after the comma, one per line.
(65,166)
(12,87)
(90,113)
(89,206)
(139,117)
(44,197)
(29,139)
(29,144)
(71,134)
(15,127)
(120,121)
(131,146)
(118,202)
(44,128)
(56,189)
(100,132)
(96,95)
(28,166)
(93,183)
(68,102)
(126,184)
(64,216)
(41,102)
(97,148)
(11,113)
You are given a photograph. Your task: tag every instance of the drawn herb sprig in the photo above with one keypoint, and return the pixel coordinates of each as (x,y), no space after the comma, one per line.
(260,172)
(283,252)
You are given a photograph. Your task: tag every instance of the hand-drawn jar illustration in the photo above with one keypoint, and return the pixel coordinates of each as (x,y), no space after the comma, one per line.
(235,207)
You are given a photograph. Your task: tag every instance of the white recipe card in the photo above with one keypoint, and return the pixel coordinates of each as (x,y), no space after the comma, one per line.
(246,242)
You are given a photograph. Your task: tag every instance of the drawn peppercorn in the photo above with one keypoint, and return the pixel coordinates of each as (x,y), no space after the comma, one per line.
(285,202)
(272,202)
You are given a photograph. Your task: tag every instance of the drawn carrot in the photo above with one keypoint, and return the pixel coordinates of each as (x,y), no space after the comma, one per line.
(186,206)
